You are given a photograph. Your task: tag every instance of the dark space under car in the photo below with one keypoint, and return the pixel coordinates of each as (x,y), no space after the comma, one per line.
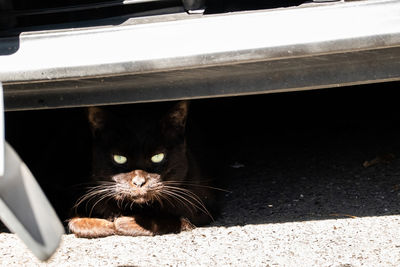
(59,57)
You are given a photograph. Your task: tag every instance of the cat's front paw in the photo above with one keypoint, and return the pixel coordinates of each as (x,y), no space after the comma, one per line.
(91,227)
(129,226)
(145,226)
(186,225)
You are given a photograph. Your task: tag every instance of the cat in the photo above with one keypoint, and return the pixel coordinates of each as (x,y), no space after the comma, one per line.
(148,180)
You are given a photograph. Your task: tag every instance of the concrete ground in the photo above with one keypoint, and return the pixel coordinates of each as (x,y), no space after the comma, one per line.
(311,196)
(368,241)
(299,213)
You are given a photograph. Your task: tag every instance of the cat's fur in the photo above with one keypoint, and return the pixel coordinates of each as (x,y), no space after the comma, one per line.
(140,197)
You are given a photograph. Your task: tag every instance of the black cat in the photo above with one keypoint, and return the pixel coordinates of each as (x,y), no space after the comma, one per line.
(148,180)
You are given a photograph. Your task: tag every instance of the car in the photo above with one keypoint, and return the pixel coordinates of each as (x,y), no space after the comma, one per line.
(64,57)
(81,53)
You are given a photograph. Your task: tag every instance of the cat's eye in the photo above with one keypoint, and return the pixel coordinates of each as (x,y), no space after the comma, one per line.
(119,159)
(158,158)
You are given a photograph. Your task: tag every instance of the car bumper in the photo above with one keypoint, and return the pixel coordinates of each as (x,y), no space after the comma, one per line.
(195,56)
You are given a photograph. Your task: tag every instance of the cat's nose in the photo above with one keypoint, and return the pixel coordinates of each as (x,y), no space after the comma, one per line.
(138,179)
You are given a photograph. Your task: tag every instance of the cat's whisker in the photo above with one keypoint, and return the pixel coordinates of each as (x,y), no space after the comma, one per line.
(92,194)
(99,190)
(186,192)
(189,181)
(101,197)
(151,199)
(91,183)
(119,203)
(123,200)
(193,196)
(158,198)
(95,191)
(198,185)
(103,185)
(179,198)
(176,194)
(195,206)
(104,190)
(97,202)
(163,196)
(82,199)
(155,194)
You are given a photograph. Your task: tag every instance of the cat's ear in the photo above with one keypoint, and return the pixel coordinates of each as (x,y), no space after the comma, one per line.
(96,117)
(175,120)
(178,114)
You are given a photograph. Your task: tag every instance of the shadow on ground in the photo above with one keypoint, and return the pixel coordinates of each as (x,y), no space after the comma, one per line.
(312,155)
(315,180)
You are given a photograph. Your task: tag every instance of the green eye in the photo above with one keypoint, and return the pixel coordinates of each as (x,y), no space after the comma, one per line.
(157,158)
(120,159)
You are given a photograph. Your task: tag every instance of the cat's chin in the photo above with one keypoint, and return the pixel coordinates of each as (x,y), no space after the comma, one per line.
(140,199)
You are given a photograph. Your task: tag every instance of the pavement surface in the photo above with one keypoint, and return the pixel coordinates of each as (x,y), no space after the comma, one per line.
(371,241)
(326,195)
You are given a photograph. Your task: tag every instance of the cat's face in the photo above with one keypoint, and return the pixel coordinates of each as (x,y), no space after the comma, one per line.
(137,151)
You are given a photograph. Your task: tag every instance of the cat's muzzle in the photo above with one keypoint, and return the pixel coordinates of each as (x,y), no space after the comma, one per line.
(137,185)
